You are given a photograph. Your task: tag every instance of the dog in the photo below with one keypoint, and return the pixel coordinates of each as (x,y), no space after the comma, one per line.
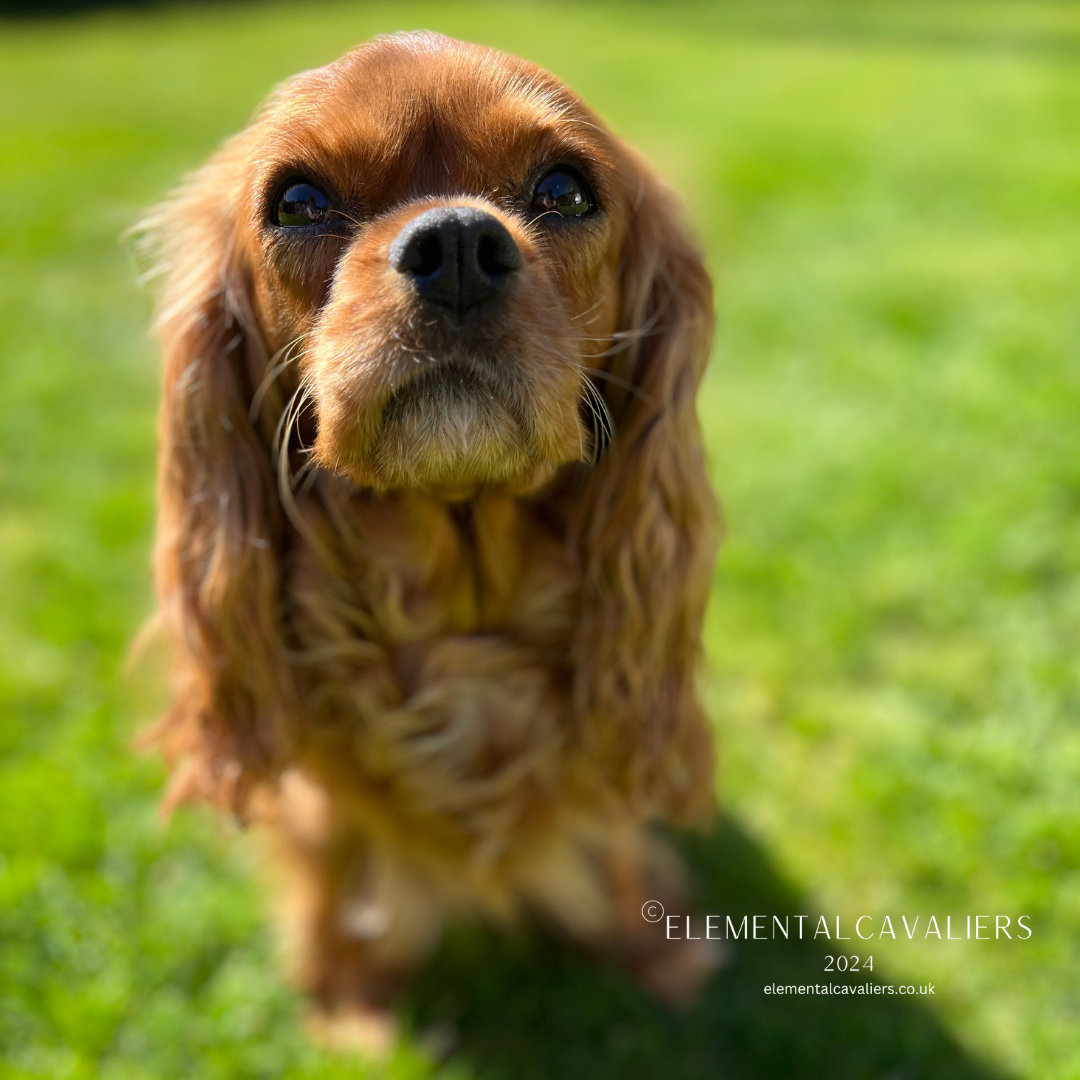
(435,532)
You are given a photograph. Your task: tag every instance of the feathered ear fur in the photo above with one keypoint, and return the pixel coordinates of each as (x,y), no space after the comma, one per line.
(647,527)
(216,561)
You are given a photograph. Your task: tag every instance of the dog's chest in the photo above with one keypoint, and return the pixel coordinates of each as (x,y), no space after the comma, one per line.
(390,579)
(434,643)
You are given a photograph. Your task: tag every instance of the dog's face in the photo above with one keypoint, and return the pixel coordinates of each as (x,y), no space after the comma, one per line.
(435,230)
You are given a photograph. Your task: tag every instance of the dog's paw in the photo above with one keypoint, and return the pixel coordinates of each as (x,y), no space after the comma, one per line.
(677,973)
(359,1029)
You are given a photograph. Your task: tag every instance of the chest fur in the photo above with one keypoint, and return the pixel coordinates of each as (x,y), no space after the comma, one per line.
(432,644)
(403,570)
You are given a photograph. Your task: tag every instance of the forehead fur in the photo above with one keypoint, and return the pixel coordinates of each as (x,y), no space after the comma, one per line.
(450,117)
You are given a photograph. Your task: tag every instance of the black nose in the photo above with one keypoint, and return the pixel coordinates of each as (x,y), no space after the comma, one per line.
(458,256)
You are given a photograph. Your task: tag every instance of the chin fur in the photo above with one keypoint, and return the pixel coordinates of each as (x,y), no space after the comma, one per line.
(452,428)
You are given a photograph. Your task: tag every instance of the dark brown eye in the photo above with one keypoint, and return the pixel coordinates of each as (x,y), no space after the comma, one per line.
(563,192)
(301,203)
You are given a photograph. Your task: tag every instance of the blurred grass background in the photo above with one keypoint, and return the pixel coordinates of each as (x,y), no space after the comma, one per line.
(889,193)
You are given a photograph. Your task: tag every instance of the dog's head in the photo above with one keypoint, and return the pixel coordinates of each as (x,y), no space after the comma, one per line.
(437,233)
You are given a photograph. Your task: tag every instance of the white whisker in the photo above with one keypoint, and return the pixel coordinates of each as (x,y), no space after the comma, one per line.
(275,370)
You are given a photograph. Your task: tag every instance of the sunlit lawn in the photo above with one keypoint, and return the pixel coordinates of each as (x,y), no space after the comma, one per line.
(890,196)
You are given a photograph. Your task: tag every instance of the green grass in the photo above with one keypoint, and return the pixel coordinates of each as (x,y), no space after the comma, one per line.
(889,195)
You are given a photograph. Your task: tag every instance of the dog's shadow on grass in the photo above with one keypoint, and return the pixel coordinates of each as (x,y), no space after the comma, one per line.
(533,1007)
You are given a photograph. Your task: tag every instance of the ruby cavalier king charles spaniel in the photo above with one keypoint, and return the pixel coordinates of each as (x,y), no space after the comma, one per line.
(435,533)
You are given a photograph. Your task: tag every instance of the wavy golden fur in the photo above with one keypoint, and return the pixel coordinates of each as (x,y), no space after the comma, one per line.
(435,586)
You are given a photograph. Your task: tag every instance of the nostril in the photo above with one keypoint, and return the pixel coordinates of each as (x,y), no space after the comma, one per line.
(423,255)
(493,259)
(427,256)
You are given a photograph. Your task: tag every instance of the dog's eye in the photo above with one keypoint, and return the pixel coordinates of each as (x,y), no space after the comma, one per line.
(301,203)
(563,191)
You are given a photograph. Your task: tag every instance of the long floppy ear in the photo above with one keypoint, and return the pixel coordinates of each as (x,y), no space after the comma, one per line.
(648,527)
(216,560)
